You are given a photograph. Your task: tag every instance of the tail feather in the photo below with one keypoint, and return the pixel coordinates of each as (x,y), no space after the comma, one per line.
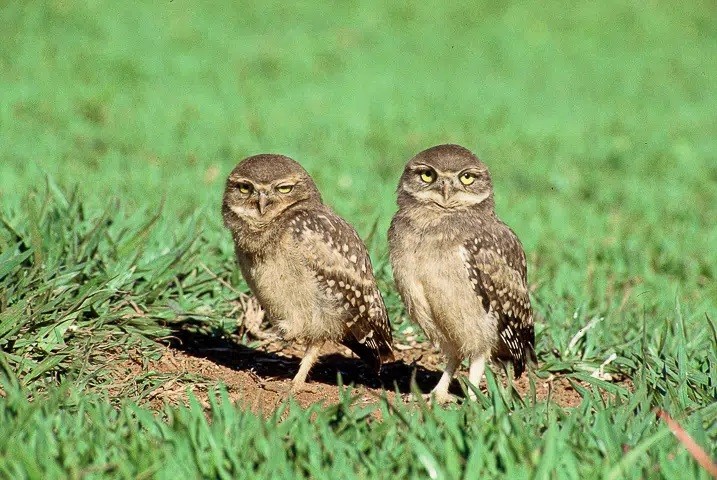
(373,353)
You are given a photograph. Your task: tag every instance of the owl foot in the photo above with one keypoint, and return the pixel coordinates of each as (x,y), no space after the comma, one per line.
(303,387)
(430,398)
(443,398)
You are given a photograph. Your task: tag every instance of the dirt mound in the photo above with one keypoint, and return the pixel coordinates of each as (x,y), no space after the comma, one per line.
(259,379)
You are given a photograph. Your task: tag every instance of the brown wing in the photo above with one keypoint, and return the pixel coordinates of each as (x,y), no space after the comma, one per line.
(497,269)
(342,265)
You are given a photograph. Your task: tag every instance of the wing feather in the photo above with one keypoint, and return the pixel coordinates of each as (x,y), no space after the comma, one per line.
(497,269)
(342,265)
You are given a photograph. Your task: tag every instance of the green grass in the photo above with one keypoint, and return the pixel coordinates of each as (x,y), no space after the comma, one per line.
(119,122)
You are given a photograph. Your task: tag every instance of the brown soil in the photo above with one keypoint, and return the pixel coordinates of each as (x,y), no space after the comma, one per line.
(259,379)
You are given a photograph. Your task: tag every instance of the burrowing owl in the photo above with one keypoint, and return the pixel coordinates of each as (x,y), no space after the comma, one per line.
(307,267)
(460,270)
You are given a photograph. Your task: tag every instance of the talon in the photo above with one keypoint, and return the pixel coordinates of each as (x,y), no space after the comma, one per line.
(444,399)
(302,388)
(429,398)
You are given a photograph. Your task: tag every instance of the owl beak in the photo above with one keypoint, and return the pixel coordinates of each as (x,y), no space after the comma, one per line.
(263,201)
(446,189)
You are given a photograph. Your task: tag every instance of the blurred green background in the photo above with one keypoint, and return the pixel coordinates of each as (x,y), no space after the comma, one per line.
(597,120)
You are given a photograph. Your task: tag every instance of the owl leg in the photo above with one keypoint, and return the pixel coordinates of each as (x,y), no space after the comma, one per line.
(312,353)
(475,374)
(441,389)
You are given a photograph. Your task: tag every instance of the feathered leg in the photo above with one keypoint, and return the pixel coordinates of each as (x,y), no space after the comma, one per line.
(312,353)
(441,389)
(475,374)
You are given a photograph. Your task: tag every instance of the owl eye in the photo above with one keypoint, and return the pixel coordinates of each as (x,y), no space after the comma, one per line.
(284,188)
(244,188)
(467,178)
(428,176)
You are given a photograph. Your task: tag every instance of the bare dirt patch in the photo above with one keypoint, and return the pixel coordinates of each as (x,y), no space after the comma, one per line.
(259,379)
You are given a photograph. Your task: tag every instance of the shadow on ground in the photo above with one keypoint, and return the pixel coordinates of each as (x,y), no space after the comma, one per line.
(279,360)
(196,360)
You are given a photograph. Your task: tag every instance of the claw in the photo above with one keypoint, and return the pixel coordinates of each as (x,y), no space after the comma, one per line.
(297,388)
(430,398)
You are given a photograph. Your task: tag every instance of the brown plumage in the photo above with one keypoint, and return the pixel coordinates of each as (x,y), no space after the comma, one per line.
(307,267)
(459,269)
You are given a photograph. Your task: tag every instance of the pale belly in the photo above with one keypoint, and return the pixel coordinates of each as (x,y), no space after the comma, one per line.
(440,298)
(292,299)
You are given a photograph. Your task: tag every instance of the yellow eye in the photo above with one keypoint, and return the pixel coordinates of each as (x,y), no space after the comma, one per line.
(284,188)
(467,178)
(244,188)
(428,176)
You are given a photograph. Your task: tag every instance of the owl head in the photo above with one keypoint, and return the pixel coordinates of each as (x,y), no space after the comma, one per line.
(262,187)
(446,178)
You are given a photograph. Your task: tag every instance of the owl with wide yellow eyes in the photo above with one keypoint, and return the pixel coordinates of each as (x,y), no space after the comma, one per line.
(307,267)
(459,269)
